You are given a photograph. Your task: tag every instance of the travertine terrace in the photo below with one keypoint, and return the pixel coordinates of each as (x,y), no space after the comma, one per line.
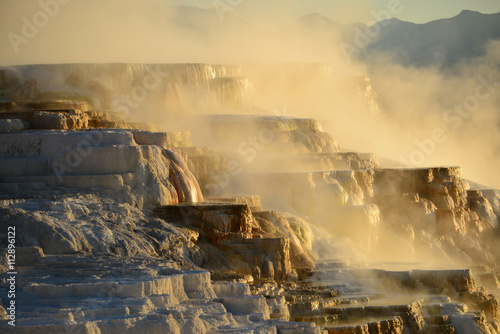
(206,215)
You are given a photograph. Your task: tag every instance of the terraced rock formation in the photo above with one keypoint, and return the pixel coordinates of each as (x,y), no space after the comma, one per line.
(267,226)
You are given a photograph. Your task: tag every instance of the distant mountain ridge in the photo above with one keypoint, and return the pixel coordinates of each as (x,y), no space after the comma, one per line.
(445,41)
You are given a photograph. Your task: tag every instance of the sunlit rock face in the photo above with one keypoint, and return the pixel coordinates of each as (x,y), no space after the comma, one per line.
(144,175)
(259,244)
(109,267)
(435,210)
(267,226)
(271,134)
(295,167)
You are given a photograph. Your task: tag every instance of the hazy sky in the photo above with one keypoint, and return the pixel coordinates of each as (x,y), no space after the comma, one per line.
(347,11)
(122,30)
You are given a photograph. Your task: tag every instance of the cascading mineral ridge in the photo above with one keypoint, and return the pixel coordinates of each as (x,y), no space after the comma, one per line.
(226,221)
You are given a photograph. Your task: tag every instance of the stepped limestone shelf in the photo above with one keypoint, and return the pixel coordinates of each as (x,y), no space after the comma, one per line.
(243,125)
(181,88)
(305,191)
(43,114)
(411,180)
(416,297)
(111,295)
(116,234)
(31,166)
(273,135)
(322,162)
(106,181)
(27,108)
(128,160)
(231,240)
(253,202)
(429,201)
(205,162)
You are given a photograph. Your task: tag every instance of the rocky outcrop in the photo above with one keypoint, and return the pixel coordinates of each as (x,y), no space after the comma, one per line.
(435,210)
(107,267)
(259,244)
(126,227)
(137,295)
(424,301)
(143,175)
(58,120)
(91,224)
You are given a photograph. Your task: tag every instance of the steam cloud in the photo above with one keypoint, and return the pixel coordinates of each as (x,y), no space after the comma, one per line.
(420,123)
